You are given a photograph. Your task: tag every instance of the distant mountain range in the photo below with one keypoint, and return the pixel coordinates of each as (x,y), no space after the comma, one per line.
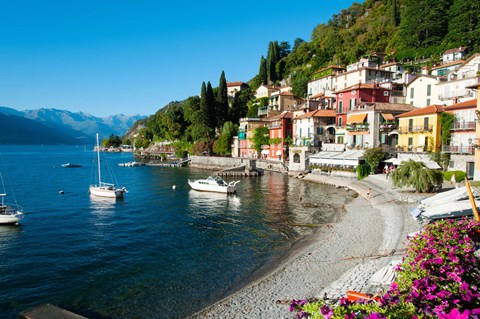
(52,126)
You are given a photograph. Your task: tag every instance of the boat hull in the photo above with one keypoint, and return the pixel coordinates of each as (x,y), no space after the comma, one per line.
(210,188)
(106,191)
(11,219)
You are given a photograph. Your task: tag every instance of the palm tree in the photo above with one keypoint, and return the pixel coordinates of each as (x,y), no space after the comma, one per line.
(416,175)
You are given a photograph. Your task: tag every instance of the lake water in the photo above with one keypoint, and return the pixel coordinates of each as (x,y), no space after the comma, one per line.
(158,253)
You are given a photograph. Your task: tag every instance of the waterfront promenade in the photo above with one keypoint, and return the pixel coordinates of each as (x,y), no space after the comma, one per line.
(338,257)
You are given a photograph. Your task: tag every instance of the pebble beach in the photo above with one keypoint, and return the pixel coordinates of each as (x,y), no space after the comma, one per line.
(337,257)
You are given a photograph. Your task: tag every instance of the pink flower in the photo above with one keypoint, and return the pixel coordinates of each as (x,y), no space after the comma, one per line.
(454,314)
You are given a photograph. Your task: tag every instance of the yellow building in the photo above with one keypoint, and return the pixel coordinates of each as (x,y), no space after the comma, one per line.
(419,130)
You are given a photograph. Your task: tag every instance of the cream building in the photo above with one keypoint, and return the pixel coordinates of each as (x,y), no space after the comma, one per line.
(422,91)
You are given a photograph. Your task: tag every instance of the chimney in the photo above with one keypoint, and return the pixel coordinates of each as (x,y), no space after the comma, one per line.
(425,70)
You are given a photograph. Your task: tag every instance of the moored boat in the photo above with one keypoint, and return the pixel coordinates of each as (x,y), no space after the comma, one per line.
(71,165)
(10,214)
(213,184)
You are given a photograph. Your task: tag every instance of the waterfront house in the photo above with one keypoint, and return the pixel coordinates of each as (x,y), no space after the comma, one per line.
(367,71)
(454,54)
(280,133)
(374,124)
(350,98)
(314,128)
(235,87)
(419,131)
(265,91)
(462,137)
(455,87)
(242,145)
(422,91)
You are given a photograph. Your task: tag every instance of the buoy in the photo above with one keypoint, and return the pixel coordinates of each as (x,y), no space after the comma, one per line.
(61,192)
(173,187)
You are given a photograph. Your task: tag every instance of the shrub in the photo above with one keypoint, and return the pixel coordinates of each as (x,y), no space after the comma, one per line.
(362,171)
(459,176)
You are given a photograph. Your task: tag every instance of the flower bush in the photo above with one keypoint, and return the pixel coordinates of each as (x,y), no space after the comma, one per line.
(438,278)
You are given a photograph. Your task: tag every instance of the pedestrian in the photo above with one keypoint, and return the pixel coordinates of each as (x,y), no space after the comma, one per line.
(453,180)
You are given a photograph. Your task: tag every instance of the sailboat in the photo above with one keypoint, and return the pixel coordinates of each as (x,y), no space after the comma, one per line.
(103,189)
(10,214)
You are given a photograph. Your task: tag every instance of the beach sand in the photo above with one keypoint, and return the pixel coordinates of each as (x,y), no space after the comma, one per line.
(337,257)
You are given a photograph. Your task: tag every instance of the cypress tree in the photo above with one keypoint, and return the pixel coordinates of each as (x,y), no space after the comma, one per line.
(203,119)
(222,101)
(262,72)
(210,100)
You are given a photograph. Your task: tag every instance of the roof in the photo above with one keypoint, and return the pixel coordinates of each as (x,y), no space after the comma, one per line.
(270,87)
(283,115)
(286,94)
(454,50)
(448,64)
(316,96)
(432,109)
(317,113)
(235,84)
(462,105)
(391,107)
(360,86)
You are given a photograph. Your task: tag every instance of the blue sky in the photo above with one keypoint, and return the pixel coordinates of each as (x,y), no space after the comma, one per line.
(107,57)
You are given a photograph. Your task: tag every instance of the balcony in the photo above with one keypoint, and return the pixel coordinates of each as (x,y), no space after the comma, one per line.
(458,149)
(262,111)
(274,125)
(415,129)
(388,126)
(463,126)
(358,127)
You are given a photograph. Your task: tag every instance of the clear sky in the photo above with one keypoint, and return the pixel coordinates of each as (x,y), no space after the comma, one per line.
(107,57)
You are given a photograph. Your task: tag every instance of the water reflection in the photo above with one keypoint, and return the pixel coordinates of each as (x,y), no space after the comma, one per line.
(8,234)
(102,206)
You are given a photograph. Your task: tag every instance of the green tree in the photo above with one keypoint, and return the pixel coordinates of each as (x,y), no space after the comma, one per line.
(373,156)
(212,117)
(203,123)
(464,24)
(283,49)
(239,106)
(446,124)
(260,137)
(112,141)
(416,175)
(272,59)
(221,100)
(222,145)
(300,84)
(262,72)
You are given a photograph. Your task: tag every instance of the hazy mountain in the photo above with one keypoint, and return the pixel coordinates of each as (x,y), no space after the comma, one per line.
(81,127)
(20,130)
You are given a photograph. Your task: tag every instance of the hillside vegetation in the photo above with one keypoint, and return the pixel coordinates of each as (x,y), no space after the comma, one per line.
(405,30)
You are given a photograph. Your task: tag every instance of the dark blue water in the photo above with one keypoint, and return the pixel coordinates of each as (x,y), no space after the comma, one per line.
(158,253)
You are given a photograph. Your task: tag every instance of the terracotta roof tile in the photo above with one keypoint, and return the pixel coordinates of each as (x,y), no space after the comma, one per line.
(450,51)
(317,113)
(235,84)
(470,104)
(390,107)
(448,64)
(432,109)
(359,86)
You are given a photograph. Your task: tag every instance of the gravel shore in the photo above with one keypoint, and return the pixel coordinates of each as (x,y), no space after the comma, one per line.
(337,257)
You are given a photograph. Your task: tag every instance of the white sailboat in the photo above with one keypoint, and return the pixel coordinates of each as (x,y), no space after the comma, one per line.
(10,214)
(103,189)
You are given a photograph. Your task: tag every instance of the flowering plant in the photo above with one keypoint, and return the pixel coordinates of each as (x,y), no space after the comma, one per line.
(438,278)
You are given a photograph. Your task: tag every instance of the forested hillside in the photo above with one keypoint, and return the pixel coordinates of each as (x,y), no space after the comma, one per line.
(406,30)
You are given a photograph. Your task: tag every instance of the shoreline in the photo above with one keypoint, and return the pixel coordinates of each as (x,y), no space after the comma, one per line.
(334,258)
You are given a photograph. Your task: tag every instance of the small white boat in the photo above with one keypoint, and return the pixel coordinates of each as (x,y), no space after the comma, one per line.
(103,189)
(213,184)
(131,164)
(10,214)
(70,165)
(455,209)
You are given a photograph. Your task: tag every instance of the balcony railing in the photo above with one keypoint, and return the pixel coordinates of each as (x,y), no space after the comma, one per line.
(463,125)
(458,149)
(262,111)
(388,126)
(275,125)
(415,129)
(359,127)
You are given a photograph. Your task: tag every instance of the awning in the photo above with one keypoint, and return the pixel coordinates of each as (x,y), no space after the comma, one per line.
(356,118)
(278,153)
(266,152)
(388,117)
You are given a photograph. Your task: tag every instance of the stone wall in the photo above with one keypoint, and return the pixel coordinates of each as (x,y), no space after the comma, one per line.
(216,163)
(275,166)
(459,162)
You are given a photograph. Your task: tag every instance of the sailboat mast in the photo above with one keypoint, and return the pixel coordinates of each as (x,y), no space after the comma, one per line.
(98,158)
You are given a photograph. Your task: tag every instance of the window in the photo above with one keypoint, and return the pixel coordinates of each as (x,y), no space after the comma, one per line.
(385,93)
(352,104)
(410,142)
(300,132)
(296,158)
(340,106)
(340,122)
(410,125)
(308,132)
(429,90)
(425,124)
(428,102)
(340,140)
(412,93)
(319,130)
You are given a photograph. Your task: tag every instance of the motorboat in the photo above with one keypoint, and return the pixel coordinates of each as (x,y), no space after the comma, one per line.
(10,214)
(71,165)
(213,184)
(131,164)
(103,189)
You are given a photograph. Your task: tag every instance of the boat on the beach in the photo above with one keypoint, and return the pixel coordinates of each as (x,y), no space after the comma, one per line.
(456,209)
(213,184)
(10,214)
(71,165)
(103,189)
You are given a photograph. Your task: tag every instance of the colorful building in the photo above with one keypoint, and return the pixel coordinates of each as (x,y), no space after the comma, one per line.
(280,131)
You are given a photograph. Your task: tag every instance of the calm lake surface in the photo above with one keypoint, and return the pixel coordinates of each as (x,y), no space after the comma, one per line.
(158,253)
